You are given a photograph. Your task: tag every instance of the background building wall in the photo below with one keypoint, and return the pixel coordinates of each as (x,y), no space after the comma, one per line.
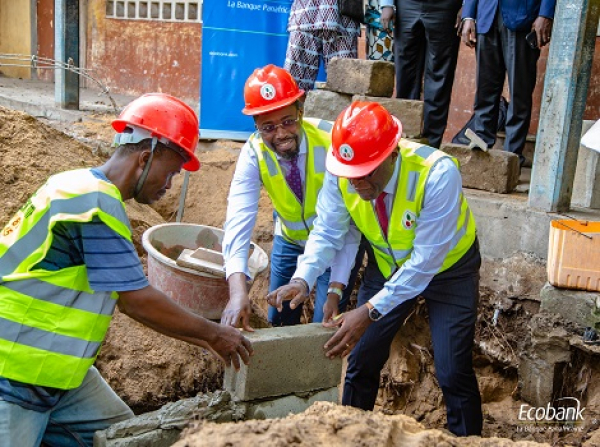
(140,56)
(15,35)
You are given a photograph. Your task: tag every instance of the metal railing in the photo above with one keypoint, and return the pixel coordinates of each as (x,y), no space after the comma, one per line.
(43,63)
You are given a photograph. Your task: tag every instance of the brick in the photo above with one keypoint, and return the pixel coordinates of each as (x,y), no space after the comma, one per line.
(494,170)
(325,105)
(360,77)
(408,111)
(280,407)
(286,360)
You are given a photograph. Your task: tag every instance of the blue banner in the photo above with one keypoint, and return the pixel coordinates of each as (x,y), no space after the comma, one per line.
(238,36)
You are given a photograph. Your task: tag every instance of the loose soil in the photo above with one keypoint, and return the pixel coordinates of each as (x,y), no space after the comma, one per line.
(148,370)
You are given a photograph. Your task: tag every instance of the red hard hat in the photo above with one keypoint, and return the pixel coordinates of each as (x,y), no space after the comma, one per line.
(363,135)
(164,116)
(268,89)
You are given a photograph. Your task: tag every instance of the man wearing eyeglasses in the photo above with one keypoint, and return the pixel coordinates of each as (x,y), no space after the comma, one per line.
(286,155)
(407,201)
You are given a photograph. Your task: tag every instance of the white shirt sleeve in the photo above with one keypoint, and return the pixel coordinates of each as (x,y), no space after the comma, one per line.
(242,209)
(345,258)
(328,236)
(436,226)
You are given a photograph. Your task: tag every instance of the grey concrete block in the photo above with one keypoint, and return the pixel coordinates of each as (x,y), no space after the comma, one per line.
(286,360)
(586,184)
(539,380)
(294,404)
(360,77)
(163,427)
(325,105)
(575,306)
(494,171)
(408,111)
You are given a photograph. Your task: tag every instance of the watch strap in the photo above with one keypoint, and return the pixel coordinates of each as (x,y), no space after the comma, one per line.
(335,290)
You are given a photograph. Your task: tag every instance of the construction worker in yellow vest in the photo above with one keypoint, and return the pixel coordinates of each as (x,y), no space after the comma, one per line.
(67,259)
(286,155)
(407,200)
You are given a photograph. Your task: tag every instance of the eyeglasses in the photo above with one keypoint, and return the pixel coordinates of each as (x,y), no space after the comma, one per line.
(288,124)
(364,177)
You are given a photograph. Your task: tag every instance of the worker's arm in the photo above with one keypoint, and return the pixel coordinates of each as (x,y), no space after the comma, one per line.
(434,232)
(156,310)
(341,267)
(327,237)
(242,209)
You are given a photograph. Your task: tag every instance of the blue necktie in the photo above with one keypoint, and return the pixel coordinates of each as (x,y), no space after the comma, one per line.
(293,178)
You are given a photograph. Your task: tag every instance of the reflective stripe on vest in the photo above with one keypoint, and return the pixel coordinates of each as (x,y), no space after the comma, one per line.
(296,218)
(416,162)
(51,323)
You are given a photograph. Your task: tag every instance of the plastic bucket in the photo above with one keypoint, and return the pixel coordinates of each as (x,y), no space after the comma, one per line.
(203,293)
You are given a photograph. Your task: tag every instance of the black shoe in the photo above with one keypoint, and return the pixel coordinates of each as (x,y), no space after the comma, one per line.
(590,336)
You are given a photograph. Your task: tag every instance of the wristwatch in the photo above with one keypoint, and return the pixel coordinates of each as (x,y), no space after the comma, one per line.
(374,314)
(335,290)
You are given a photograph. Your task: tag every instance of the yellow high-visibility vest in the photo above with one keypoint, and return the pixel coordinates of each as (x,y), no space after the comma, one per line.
(51,322)
(296,218)
(394,250)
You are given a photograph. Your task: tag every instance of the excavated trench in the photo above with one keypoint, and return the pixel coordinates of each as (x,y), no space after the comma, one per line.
(149,370)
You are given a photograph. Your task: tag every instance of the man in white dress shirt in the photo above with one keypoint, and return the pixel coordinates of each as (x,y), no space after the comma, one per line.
(286,155)
(407,201)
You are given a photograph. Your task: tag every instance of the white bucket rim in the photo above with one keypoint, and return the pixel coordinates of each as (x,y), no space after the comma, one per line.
(153,252)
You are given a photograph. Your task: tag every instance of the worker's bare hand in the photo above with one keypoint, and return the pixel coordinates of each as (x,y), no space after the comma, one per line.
(387,17)
(543,30)
(352,325)
(237,312)
(294,292)
(231,346)
(469,33)
(331,307)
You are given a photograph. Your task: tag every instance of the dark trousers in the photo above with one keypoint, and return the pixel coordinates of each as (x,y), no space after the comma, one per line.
(451,299)
(425,53)
(502,52)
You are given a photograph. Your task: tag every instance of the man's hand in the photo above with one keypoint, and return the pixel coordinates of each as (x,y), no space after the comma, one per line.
(543,30)
(458,24)
(238,309)
(231,346)
(297,292)
(331,307)
(387,17)
(352,325)
(469,33)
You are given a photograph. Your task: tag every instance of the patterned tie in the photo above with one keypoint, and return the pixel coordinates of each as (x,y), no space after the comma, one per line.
(382,212)
(293,178)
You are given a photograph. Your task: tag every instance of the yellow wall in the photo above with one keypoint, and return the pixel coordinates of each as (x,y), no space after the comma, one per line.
(15,35)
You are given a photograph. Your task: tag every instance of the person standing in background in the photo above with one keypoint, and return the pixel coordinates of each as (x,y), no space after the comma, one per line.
(380,40)
(498,32)
(426,46)
(318,32)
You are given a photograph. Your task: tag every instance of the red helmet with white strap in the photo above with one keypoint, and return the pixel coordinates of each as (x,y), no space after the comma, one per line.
(164,117)
(268,89)
(363,135)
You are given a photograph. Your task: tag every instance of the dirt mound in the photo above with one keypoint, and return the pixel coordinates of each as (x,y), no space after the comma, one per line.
(30,152)
(331,425)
